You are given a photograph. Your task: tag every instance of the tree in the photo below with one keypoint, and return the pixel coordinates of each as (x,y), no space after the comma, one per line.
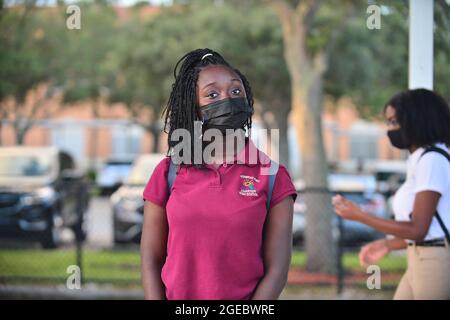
(81,69)
(309,36)
(370,66)
(24,67)
(367,66)
(142,74)
(250,39)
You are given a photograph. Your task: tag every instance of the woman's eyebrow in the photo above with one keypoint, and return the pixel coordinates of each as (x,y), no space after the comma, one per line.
(209,84)
(213,83)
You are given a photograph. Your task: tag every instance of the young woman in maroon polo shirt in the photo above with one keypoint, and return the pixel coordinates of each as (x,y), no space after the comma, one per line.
(211,236)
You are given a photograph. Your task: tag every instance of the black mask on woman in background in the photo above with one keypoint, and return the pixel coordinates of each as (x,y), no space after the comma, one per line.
(397,139)
(226,114)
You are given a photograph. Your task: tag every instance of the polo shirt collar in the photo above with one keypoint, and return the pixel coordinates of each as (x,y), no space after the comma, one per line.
(248,154)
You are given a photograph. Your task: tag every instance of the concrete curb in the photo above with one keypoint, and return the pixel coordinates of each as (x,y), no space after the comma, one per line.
(62,293)
(94,292)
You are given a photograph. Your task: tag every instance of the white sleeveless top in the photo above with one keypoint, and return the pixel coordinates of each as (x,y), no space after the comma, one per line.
(430,172)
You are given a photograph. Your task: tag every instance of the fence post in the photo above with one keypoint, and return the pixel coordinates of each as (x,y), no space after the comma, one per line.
(79,257)
(339,257)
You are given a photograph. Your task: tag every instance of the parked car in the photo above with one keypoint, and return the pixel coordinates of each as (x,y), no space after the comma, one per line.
(41,192)
(390,174)
(112,174)
(361,189)
(127,202)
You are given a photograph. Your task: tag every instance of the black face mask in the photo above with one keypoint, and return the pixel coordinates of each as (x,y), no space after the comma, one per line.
(397,139)
(226,114)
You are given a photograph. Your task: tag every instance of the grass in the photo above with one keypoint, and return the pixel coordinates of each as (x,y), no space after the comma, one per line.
(119,266)
(99,265)
(350,262)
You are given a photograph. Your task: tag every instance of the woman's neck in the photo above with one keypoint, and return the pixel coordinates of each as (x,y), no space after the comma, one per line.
(220,154)
(413,148)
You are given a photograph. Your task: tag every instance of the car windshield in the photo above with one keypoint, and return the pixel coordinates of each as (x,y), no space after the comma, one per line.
(24,166)
(141,172)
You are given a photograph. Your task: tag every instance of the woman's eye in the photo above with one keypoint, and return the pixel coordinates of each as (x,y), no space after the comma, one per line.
(237,91)
(212,95)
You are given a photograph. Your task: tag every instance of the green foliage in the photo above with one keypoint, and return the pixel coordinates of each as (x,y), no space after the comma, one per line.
(23,54)
(251,41)
(132,61)
(372,65)
(82,70)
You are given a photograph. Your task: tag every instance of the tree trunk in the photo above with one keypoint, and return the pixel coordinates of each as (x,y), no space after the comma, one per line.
(94,141)
(306,73)
(155,131)
(20,133)
(319,242)
(20,137)
(283,126)
(94,138)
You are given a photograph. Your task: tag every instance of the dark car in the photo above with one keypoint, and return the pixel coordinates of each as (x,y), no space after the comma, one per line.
(41,193)
(127,203)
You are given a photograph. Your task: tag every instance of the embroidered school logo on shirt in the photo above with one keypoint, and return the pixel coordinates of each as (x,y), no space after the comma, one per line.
(248,186)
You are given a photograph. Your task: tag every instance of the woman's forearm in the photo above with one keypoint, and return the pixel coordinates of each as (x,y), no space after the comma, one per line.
(270,287)
(399,229)
(154,288)
(425,204)
(395,243)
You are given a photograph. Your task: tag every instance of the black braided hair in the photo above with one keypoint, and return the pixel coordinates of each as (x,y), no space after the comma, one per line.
(181,109)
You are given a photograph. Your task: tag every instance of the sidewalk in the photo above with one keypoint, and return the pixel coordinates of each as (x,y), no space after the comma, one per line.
(94,292)
(88,292)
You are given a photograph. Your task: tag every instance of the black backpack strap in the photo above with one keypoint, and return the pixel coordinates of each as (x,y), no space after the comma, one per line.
(444,228)
(438,150)
(272,177)
(438,217)
(171,175)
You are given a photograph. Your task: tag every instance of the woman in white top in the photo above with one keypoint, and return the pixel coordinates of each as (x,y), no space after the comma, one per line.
(418,120)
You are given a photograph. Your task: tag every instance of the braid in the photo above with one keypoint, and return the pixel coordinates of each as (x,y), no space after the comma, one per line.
(180,111)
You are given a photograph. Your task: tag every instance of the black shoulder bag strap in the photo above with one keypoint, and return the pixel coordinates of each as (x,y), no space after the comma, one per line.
(274,165)
(171,174)
(438,217)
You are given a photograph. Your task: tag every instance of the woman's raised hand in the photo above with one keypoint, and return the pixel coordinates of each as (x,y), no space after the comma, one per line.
(346,208)
(373,252)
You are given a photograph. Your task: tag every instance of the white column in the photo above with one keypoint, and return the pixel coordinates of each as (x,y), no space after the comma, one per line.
(421,44)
